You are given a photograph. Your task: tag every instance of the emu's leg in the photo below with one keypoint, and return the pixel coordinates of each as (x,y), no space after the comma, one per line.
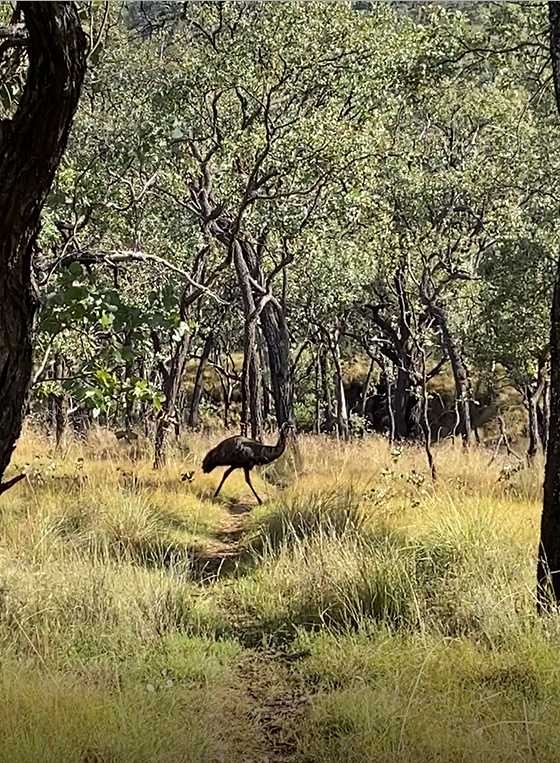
(224,478)
(248,481)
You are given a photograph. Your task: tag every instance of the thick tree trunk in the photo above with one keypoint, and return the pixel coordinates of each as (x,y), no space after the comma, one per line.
(209,345)
(318,396)
(404,409)
(275,331)
(251,415)
(400,404)
(31,146)
(544,416)
(548,567)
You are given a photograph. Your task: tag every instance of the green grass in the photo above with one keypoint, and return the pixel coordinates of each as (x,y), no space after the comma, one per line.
(377,616)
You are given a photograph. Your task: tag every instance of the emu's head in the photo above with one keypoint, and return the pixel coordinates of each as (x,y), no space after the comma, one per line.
(287,427)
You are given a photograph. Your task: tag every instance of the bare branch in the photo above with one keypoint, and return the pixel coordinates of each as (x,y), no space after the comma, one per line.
(10,483)
(123,257)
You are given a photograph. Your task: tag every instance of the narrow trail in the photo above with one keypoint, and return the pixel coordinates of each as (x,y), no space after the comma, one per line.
(265,711)
(264,707)
(223,554)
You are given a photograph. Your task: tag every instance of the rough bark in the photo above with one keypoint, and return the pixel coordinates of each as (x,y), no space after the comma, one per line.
(401,398)
(544,416)
(251,415)
(548,567)
(275,332)
(31,146)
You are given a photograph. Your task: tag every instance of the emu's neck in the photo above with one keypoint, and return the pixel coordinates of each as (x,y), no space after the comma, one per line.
(272,452)
(280,446)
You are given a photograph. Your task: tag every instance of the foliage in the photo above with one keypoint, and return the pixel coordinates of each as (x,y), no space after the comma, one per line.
(358,147)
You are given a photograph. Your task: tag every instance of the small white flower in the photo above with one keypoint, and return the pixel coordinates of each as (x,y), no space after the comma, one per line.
(150,687)
(169,682)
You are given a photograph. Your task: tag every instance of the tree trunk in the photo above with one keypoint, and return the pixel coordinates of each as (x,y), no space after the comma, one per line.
(460,373)
(173,375)
(266,392)
(318,396)
(548,567)
(544,416)
(31,146)
(401,399)
(328,413)
(341,407)
(365,389)
(251,415)
(171,387)
(275,331)
(426,421)
(209,345)
(389,396)
(60,401)
(129,411)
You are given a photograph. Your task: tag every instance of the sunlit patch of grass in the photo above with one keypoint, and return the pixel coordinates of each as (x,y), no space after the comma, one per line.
(453,578)
(382,696)
(54,717)
(299,516)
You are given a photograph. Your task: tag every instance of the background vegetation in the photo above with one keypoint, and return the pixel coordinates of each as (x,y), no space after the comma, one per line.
(339,214)
(359,199)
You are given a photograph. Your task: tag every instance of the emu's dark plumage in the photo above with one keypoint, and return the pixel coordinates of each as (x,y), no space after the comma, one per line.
(243,453)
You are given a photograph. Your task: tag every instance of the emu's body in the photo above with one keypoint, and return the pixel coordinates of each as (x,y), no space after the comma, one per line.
(243,453)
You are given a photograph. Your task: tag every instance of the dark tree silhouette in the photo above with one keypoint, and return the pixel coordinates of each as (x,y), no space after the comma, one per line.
(548,569)
(31,146)
(243,453)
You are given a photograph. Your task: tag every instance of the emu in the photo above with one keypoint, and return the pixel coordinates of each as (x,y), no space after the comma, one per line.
(240,452)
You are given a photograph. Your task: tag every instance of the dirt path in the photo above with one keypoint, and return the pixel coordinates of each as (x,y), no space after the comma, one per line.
(263,707)
(265,711)
(223,554)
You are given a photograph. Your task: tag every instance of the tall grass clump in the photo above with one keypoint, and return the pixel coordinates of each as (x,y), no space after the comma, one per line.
(334,513)
(122,526)
(456,579)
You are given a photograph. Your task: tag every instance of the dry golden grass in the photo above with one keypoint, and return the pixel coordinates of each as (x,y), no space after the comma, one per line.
(402,610)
